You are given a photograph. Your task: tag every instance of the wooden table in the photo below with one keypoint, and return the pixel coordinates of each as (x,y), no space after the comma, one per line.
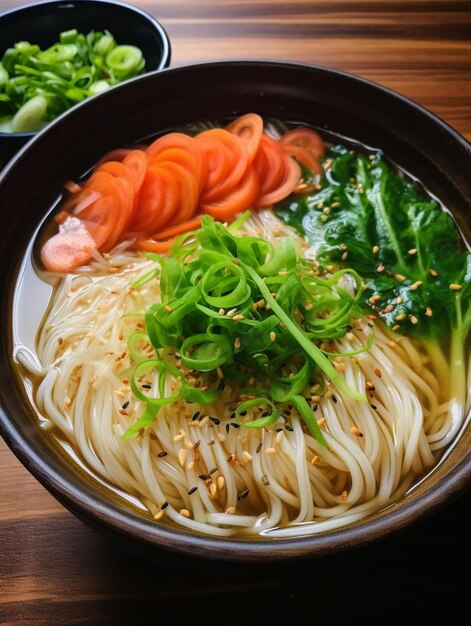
(55,570)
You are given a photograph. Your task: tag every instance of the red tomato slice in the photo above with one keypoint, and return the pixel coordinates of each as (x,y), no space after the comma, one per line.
(249,128)
(239,199)
(305,138)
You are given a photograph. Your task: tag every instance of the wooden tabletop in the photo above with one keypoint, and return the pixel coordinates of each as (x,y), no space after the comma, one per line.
(55,570)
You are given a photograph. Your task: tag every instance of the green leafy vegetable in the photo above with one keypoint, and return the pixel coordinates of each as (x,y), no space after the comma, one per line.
(369,217)
(244,313)
(37,85)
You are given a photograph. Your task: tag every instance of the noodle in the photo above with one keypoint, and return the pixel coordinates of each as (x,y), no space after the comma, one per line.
(205,473)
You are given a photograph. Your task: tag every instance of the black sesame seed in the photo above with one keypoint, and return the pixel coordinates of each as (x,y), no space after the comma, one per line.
(259,447)
(235,425)
(227,428)
(373,406)
(215,469)
(164,505)
(215,420)
(146,386)
(162,454)
(334,398)
(289,428)
(243,494)
(125,405)
(203,476)
(277,430)
(243,413)
(315,407)
(197,444)
(195,416)
(192,490)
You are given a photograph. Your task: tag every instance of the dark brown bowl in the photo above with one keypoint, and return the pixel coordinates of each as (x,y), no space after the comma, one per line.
(412,137)
(42,22)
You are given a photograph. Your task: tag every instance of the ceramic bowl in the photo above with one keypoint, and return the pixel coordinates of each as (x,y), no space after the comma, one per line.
(41,23)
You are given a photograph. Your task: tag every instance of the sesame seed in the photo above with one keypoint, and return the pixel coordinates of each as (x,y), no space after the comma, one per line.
(433,272)
(162,454)
(213,470)
(203,476)
(392,344)
(238,318)
(282,273)
(416,285)
(377,371)
(243,494)
(182,456)
(192,490)
(413,319)
(399,300)
(259,447)
(344,495)
(388,308)
(344,256)
(428,312)
(380,268)
(213,489)
(412,251)
(265,480)
(400,278)
(159,515)
(246,456)
(60,341)
(400,317)
(375,249)
(164,505)
(180,436)
(146,386)
(314,460)
(356,431)
(221,312)
(272,336)
(396,327)
(374,298)
(455,287)
(215,420)
(231,313)
(230,510)
(326,211)
(270,451)
(370,386)
(221,482)
(185,512)
(125,405)
(237,343)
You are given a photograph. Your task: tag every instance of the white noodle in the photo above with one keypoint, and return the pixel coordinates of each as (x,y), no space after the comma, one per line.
(295,485)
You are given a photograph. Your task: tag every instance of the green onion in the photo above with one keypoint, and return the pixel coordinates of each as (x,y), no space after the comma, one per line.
(240,312)
(69,71)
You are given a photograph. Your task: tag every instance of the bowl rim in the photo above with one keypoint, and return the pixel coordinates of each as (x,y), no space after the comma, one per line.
(86,503)
(52,4)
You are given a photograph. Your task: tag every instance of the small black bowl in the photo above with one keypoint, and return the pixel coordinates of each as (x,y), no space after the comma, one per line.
(334,102)
(42,22)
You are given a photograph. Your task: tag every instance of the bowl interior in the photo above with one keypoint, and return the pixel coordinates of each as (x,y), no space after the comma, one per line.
(416,140)
(42,23)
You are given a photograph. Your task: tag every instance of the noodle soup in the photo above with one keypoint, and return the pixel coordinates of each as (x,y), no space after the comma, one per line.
(302,406)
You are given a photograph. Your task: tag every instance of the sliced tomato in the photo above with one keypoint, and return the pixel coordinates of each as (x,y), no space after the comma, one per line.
(270,164)
(111,210)
(291,177)
(239,199)
(306,138)
(183,142)
(304,156)
(189,192)
(136,163)
(227,165)
(249,128)
(157,202)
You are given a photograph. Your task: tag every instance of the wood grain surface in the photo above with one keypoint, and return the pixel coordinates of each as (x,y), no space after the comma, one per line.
(55,570)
